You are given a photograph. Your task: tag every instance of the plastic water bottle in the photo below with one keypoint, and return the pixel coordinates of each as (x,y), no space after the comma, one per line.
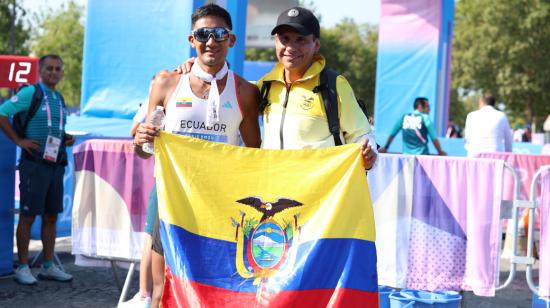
(157,119)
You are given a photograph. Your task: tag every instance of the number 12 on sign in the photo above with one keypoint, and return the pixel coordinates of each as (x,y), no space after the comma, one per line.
(20,73)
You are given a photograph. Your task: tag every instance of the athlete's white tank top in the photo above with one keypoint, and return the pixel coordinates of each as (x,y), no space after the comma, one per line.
(186,113)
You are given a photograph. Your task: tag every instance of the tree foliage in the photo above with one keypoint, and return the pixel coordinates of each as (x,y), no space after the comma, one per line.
(61,32)
(503,47)
(260,54)
(21,32)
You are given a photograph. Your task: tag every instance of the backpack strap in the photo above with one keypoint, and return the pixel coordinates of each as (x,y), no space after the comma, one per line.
(35,103)
(264,93)
(363,107)
(327,87)
(36,100)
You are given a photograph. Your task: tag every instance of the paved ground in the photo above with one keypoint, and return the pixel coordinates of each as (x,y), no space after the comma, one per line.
(95,287)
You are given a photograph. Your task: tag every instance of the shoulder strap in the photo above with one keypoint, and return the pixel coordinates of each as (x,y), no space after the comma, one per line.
(327,87)
(363,107)
(35,104)
(264,93)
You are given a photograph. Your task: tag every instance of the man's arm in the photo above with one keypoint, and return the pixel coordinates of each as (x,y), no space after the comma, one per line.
(396,128)
(140,115)
(354,123)
(161,88)
(433,135)
(438,148)
(249,100)
(134,128)
(384,149)
(20,102)
(26,144)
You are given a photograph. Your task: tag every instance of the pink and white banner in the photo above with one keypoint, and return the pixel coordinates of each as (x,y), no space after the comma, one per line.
(437,218)
(544,206)
(437,222)
(110,200)
(526,165)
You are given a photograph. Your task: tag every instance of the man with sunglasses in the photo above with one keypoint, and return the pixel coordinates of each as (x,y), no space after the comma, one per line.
(41,166)
(211,103)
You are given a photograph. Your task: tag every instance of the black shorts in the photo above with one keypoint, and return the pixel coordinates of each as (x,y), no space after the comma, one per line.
(40,187)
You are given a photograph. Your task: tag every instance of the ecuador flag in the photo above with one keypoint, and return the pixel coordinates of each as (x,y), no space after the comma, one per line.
(247,227)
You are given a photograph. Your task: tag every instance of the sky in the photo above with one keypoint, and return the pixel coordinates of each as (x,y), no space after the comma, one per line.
(331,11)
(361,11)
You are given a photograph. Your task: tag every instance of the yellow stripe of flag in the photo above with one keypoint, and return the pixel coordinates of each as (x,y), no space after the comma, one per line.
(199,182)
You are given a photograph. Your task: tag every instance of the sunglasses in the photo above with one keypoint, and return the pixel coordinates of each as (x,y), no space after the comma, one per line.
(219,34)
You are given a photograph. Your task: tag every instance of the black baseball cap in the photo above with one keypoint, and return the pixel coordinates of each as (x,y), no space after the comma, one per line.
(302,20)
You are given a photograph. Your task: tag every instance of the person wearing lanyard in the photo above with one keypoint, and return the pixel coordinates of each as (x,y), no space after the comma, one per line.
(41,166)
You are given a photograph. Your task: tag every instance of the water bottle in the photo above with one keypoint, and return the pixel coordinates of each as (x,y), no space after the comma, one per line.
(157,119)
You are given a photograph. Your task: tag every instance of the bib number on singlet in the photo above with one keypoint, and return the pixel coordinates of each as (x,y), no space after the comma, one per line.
(207,137)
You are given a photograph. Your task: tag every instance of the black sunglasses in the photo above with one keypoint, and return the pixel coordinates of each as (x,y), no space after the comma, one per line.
(219,34)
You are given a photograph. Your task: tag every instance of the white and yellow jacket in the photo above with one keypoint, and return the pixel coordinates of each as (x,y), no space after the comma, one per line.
(296,119)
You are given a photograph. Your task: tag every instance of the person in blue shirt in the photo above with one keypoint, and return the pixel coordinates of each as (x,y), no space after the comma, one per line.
(416,127)
(41,167)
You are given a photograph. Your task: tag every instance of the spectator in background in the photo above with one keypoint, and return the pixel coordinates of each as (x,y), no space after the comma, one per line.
(526,137)
(487,129)
(546,129)
(453,130)
(141,114)
(416,127)
(143,296)
(42,164)
(518,133)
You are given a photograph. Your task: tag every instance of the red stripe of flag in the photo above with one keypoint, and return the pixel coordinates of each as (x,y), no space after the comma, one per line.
(180,292)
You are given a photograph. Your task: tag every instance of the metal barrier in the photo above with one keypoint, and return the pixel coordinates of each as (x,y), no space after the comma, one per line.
(123,288)
(530,232)
(509,209)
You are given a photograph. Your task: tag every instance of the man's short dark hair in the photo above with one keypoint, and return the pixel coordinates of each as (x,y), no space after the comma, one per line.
(420,101)
(49,56)
(212,10)
(489,100)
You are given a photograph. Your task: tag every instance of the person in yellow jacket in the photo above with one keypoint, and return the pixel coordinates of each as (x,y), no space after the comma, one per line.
(295,117)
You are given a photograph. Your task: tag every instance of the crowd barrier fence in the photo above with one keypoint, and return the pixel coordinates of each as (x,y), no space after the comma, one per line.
(509,209)
(532,206)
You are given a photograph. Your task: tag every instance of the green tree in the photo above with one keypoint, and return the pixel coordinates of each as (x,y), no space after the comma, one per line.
(503,47)
(61,32)
(351,49)
(260,54)
(21,33)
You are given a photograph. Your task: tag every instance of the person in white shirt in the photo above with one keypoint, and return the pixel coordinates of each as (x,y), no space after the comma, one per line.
(487,129)
(141,114)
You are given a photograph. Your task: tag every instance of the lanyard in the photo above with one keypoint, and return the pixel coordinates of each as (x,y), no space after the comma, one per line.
(49,113)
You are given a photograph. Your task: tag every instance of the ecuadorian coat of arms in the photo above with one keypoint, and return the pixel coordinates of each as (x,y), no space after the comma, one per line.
(263,244)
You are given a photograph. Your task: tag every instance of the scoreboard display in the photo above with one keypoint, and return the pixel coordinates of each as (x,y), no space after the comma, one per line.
(18,70)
